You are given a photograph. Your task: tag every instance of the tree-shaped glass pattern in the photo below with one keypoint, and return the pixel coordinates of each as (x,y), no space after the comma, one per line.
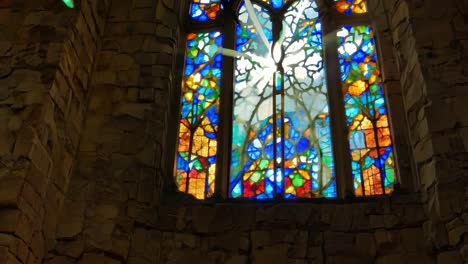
(281,140)
(198,140)
(369,135)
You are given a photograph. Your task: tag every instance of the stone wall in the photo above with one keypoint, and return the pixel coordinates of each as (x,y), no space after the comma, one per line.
(108,95)
(116,183)
(113,211)
(430,40)
(46,59)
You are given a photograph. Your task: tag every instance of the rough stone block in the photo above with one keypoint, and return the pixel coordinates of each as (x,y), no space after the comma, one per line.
(71,219)
(237,260)
(464,253)
(315,255)
(90,258)
(386,240)
(106,210)
(276,254)
(60,260)
(413,239)
(377,221)
(455,235)
(9,190)
(365,243)
(9,220)
(72,248)
(337,244)
(186,240)
(452,257)
(230,241)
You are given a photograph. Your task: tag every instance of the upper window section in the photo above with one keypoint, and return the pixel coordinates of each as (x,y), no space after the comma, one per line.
(205,10)
(351,6)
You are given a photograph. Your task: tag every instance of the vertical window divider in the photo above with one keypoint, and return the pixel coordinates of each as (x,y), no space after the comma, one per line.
(341,149)
(225,111)
(408,183)
(173,115)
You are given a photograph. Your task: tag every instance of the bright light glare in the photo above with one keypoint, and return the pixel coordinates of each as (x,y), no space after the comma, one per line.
(263,65)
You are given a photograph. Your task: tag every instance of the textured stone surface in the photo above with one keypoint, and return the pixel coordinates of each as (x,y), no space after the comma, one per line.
(46,57)
(87,97)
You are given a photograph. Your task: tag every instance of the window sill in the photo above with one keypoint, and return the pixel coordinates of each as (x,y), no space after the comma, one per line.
(175,197)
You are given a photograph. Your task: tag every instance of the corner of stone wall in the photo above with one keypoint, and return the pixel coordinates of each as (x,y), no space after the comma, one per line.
(430,39)
(110,208)
(112,211)
(46,57)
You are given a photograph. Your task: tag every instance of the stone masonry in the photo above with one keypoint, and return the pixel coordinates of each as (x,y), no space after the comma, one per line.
(87,99)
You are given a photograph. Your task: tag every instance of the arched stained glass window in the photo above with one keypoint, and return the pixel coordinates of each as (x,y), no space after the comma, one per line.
(281,140)
(279,136)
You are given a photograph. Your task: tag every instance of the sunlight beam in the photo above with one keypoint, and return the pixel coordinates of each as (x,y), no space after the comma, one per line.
(261,78)
(256,23)
(235,53)
(265,62)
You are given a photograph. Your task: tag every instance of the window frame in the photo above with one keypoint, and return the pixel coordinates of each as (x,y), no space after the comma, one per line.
(331,21)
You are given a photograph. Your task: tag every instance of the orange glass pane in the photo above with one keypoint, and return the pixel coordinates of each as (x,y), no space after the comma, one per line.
(367,118)
(205,10)
(351,6)
(197,139)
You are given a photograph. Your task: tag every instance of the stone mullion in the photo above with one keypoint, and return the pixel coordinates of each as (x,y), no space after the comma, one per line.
(339,130)
(225,112)
(173,114)
(405,168)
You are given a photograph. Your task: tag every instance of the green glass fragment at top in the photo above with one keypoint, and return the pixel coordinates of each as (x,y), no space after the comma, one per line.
(69,3)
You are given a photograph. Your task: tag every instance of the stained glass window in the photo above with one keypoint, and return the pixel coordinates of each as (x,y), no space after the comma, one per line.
(204,10)
(281,143)
(367,117)
(280,135)
(351,6)
(275,3)
(197,144)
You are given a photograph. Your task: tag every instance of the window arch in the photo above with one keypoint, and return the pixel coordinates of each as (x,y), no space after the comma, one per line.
(265,94)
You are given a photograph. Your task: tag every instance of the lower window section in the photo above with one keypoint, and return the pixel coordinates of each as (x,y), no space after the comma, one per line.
(369,135)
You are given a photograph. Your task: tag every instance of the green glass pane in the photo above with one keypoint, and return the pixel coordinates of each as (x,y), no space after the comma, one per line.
(69,3)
